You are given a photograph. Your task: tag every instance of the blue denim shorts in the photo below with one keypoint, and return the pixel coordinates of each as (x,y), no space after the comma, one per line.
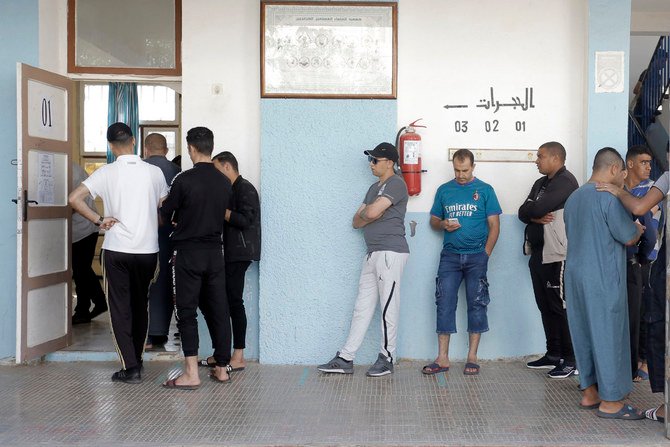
(454,268)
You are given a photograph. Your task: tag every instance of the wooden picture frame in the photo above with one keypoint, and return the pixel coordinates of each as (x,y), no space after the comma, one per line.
(329,49)
(73,67)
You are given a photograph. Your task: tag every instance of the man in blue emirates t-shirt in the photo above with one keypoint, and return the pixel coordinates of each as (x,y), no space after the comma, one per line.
(467,211)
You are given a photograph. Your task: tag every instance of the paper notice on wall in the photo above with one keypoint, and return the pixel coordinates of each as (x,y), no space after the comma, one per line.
(45,181)
(609,71)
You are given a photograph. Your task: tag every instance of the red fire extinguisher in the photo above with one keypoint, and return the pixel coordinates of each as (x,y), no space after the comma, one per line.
(408,143)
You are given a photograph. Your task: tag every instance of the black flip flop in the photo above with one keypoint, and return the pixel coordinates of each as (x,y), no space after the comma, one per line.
(627,412)
(652,414)
(204,363)
(471,365)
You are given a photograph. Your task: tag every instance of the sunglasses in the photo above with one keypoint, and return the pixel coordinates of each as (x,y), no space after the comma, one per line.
(374,160)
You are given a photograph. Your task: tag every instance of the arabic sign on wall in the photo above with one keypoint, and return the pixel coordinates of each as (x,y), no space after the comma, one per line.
(490,105)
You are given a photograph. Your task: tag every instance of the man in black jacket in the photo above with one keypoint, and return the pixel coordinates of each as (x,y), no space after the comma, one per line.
(197,206)
(546,240)
(243,245)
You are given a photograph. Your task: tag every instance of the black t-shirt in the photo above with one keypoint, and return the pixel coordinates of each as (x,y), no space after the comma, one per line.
(196,206)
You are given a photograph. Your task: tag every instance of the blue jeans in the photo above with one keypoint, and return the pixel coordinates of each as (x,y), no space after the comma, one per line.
(454,268)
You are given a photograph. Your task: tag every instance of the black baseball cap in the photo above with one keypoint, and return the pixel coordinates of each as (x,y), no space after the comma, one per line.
(384,150)
(119,133)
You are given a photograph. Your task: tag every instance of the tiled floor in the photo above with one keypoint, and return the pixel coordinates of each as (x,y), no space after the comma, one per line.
(75,403)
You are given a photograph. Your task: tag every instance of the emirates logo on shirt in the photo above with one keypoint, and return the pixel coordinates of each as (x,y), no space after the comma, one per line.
(475,196)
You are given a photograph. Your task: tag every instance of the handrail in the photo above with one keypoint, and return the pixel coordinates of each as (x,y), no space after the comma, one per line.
(638,128)
(655,84)
(660,52)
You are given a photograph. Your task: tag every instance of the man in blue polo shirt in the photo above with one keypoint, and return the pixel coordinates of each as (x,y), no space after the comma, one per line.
(467,211)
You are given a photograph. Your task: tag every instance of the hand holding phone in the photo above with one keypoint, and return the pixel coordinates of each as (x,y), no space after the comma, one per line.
(452,224)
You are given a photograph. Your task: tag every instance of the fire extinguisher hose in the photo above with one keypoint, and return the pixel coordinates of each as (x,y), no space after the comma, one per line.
(397,137)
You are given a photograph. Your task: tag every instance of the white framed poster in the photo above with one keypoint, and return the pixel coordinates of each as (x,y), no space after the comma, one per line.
(328,50)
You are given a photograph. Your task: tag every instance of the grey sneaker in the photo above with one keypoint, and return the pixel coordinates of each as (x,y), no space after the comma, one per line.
(337,365)
(381,367)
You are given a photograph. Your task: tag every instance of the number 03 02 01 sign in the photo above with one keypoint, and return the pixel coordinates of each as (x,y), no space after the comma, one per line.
(47,111)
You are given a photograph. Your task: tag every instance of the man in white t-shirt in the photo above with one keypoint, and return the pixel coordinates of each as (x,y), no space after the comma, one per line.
(131,191)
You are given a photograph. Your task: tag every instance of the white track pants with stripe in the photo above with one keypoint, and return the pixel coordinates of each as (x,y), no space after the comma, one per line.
(380,280)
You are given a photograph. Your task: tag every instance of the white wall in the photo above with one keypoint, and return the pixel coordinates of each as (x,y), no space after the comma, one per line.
(446,59)
(53,35)
(225,54)
(220,45)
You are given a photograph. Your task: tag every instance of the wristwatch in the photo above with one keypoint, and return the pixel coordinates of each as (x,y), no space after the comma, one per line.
(99,221)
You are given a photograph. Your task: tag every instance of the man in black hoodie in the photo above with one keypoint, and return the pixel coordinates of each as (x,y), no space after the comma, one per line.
(243,245)
(546,242)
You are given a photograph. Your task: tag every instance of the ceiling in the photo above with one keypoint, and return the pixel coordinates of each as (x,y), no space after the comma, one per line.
(651,5)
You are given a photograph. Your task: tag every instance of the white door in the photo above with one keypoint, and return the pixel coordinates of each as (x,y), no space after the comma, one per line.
(43,255)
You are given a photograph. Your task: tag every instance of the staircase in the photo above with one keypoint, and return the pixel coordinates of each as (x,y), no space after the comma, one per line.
(645,106)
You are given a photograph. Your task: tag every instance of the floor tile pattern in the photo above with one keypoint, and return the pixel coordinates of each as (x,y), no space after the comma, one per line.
(75,403)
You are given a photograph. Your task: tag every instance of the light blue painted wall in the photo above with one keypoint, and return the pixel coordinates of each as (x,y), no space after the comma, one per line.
(19,33)
(514,321)
(609,30)
(313,178)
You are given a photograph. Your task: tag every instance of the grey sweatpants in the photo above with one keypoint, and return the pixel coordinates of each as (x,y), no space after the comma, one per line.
(380,280)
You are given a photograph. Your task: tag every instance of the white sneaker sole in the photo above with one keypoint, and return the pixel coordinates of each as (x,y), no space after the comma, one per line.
(335,371)
(385,373)
(541,367)
(575,373)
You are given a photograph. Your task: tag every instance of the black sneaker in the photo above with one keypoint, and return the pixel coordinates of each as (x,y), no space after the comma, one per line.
(156,341)
(543,362)
(78,318)
(131,375)
(98,309)
(563,371)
